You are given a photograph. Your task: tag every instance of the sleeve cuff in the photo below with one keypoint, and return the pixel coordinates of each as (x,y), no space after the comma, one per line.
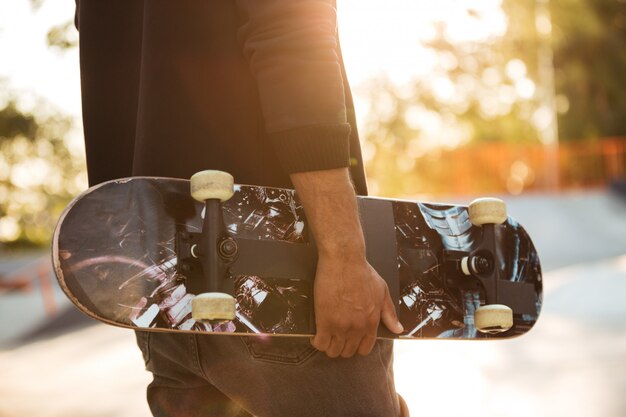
(313,148)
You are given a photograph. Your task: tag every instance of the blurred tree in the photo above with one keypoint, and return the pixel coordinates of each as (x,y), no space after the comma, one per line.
(491,89)
(63,37)
(41,169)
(39,173)
(589,38)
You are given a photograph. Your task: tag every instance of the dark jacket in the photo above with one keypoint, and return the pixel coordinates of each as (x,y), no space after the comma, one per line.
(255,88)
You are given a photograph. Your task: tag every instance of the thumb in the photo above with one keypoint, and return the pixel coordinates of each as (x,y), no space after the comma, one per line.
(388,314)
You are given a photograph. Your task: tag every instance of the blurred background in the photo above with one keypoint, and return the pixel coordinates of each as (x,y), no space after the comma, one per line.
(524,99)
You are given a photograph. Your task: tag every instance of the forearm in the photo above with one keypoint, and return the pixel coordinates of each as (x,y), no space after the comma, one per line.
(350,297)
(330,205)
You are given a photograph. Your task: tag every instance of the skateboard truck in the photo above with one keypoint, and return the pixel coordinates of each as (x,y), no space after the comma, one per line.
(480,267)
(212,188)
(218,252)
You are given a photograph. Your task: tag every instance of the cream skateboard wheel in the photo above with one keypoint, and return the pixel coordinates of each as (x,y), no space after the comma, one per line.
(213,306)
(487,211)
(493,318)
(210,184)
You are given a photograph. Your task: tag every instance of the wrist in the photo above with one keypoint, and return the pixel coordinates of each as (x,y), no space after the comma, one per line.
(345,249)
(331,208)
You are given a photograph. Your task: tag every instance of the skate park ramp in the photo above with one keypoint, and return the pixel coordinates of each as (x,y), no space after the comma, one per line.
(572,363)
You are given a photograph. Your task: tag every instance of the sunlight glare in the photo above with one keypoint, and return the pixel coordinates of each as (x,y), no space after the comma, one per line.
(33,65)
(9,229)
(516,69)
(443,89)
(477,21)
(525,88)
(30,172)
(380,37)
(392,41)
(429,377)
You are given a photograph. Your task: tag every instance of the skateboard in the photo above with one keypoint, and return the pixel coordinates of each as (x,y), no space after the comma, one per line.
(208,256)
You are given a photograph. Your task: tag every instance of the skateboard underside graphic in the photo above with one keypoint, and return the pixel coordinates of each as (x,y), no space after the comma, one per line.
(116,252)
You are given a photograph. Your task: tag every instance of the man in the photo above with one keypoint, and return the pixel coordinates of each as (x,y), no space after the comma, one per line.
(255,88)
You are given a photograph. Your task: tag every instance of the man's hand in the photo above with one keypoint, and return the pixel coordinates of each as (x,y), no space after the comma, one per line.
(350,300)
(350,297)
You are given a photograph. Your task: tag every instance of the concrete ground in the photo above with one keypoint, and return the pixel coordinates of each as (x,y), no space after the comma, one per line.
(572,363)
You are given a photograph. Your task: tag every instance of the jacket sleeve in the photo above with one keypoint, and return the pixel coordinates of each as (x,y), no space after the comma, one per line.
(292,49)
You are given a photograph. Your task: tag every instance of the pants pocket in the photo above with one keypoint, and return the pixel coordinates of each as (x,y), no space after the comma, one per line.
(281,350)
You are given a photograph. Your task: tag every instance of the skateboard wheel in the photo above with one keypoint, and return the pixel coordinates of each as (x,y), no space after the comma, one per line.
(493,318)
(465,268)
(213,306)
(210,184)
(487,211)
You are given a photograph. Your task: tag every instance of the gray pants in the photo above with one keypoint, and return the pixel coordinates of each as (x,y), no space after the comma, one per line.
(198,375)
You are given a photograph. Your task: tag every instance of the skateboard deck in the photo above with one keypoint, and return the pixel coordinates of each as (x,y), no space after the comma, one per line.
(121,253)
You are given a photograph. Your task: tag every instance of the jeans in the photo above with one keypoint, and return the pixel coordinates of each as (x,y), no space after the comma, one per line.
(213,375)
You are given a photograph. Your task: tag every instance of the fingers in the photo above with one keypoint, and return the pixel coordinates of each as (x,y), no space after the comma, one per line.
(347,348)
(336,347)
(350,348)
(349,310)
(344,341)
(321,341)
(388,315)
(367,344)
(333,346)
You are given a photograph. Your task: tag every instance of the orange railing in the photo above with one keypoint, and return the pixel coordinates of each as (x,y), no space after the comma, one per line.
(515,168)
(36,273)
